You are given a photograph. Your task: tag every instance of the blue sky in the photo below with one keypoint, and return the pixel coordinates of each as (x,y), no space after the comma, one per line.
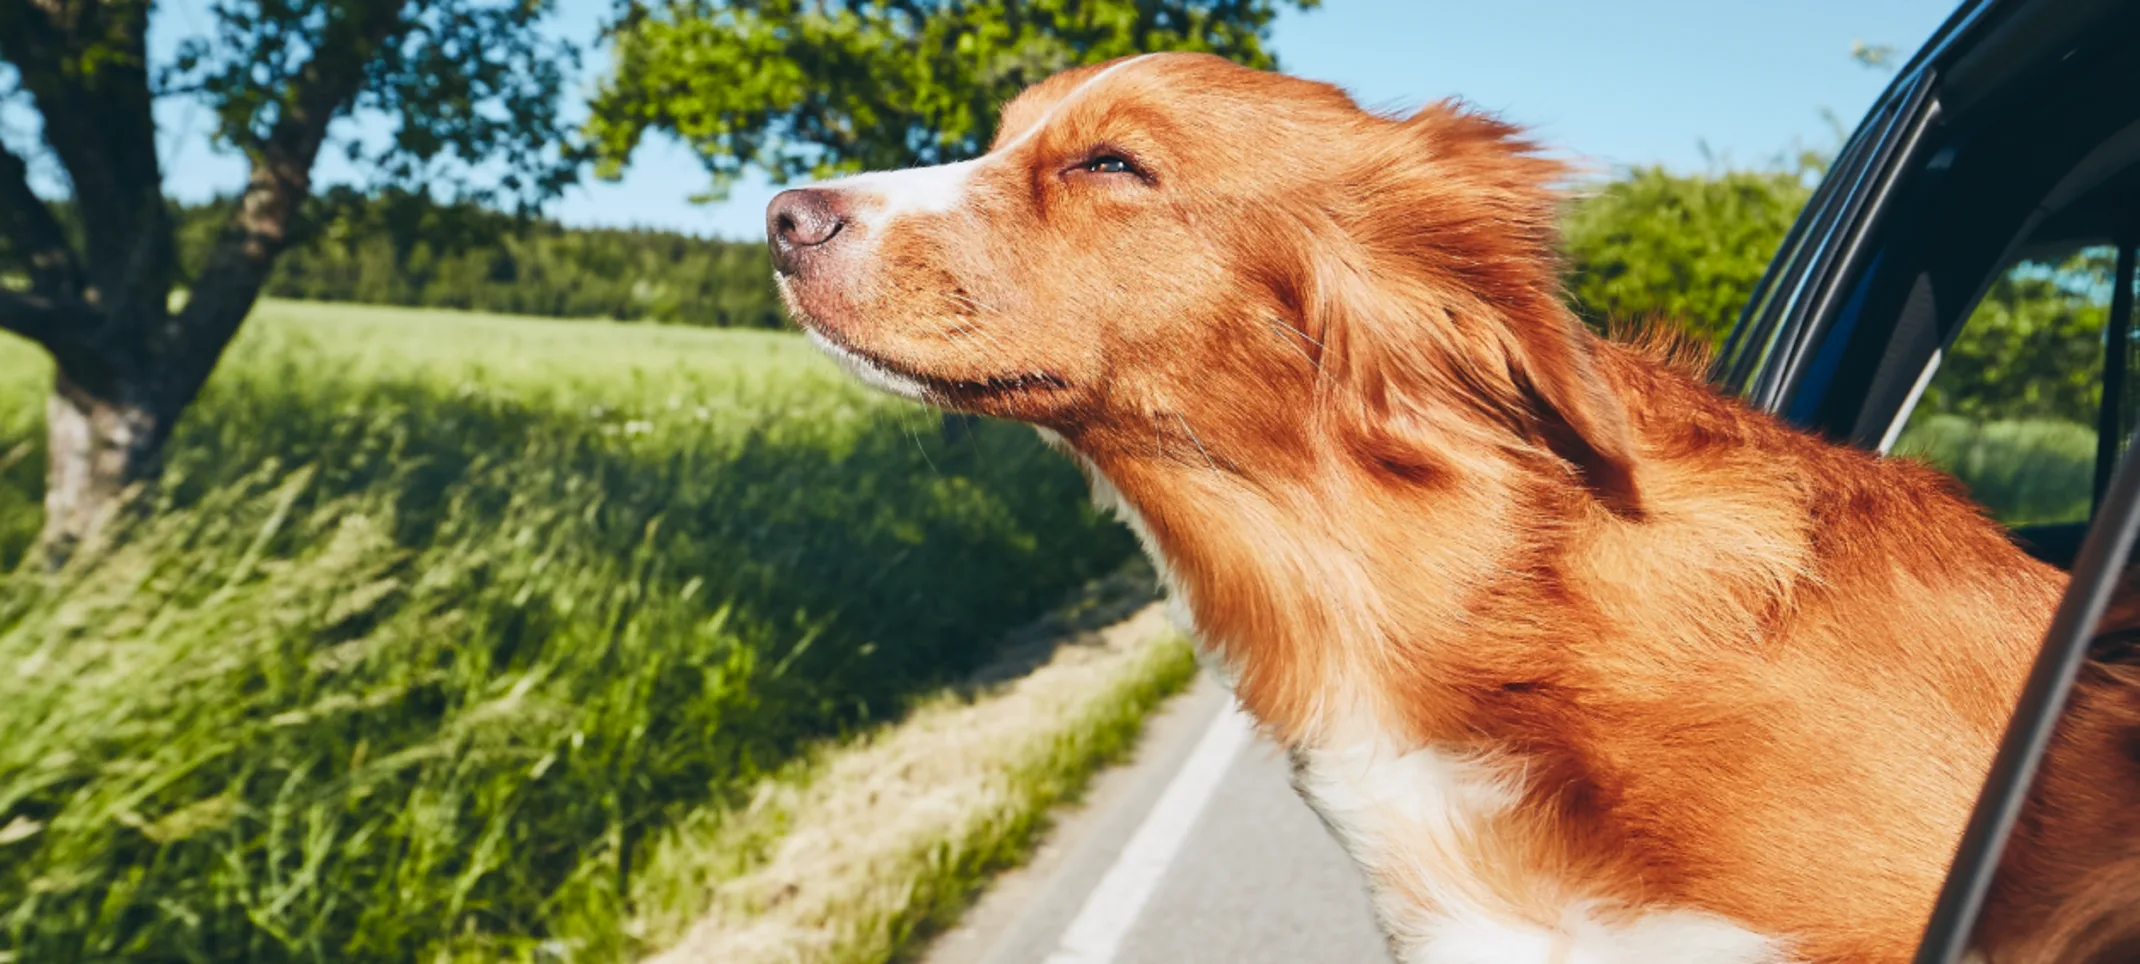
(1635,82)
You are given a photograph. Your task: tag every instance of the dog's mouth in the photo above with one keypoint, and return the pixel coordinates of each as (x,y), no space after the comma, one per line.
(906,381)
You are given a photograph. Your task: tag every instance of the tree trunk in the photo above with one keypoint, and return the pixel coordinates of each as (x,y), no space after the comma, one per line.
(127,365)
(100,444)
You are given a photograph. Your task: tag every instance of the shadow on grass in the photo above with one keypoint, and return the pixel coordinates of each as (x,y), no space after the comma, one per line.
(389,673)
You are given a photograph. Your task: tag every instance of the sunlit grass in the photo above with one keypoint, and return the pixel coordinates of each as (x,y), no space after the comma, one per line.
(439,620)
(889,838)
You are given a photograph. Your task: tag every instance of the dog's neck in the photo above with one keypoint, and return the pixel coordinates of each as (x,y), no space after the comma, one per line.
(1313,586)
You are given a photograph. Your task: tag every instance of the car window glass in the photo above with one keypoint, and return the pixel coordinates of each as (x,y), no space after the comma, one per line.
(2012,407)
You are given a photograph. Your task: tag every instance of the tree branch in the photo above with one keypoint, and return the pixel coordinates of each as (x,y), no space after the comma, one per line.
(60,323)
(280,180)
(86,67)
(34,234)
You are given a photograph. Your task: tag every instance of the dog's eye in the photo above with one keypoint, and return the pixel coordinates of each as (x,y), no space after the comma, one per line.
(1109,164)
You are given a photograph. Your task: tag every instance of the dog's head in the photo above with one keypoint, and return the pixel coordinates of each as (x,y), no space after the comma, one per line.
(1175,254)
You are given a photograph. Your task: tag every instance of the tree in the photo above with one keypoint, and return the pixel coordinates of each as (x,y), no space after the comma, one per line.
(398,248)
(810,88)
(453,83)
(1880,57)
(2033,347)
(1680,249)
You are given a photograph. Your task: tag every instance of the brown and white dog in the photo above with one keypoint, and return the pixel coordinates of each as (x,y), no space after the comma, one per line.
(1582,661)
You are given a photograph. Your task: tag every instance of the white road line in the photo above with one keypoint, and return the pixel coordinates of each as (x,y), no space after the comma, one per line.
(1095,935)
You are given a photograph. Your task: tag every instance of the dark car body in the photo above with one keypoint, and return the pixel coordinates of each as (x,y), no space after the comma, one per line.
(2002,162)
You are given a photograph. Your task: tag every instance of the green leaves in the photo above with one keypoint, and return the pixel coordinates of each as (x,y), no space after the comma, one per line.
(469,88)
(798,89)
(1684,250)
(396,247)
(2033,348)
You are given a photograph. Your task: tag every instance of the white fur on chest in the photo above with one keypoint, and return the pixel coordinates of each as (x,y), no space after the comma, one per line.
(1417,822)
(1410,819)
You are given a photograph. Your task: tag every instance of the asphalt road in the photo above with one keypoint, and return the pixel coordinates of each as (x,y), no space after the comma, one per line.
(1196,851)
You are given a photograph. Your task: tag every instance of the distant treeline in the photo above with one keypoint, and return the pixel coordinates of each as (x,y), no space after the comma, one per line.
(405,249)
(1648,245)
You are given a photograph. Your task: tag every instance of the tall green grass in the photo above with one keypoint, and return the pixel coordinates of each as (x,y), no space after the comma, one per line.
(439,619)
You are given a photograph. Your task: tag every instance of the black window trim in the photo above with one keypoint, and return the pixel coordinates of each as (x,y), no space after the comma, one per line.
(1774,315)
(1766,319)
(2117,356)
(1844,251)
(1952,926)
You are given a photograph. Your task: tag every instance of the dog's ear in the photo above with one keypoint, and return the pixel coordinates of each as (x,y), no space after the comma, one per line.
(1581,418)
(1450,291)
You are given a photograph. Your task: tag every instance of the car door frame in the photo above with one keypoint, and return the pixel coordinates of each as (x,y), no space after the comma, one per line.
(1779,357)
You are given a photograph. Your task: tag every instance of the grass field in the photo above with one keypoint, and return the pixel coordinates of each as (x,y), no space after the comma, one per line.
(441,620)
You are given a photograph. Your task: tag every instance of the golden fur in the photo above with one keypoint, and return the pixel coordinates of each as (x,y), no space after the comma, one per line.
(1323,356)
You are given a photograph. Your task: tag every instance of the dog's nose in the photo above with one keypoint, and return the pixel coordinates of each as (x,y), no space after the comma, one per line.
(798,222)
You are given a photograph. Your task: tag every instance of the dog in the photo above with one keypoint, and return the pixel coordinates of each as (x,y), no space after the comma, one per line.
(1580,659)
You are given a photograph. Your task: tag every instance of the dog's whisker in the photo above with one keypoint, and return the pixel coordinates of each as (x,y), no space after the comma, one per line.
(1280,329)
(974,302)
(967,325)
(1289,326)
(972,339)
(968,301)
(918,447)
(1199,443)
(982,334)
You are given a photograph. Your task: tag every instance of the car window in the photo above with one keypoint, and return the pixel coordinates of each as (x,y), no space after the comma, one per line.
(2012,403)
(1958,316)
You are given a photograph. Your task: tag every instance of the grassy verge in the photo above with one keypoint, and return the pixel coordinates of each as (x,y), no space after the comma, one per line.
(888,839)
(441,623)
